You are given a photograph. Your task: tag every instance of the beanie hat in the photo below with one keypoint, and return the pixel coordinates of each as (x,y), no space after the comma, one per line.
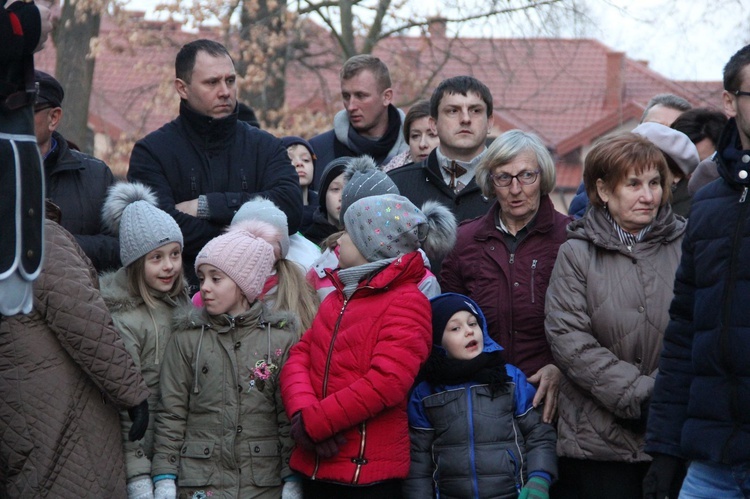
(389,225)
(292,140)
(130,211)
(331,171)
(675,144)
(266,211)
(447,304)
(363,178)
(50,90)
(244,257)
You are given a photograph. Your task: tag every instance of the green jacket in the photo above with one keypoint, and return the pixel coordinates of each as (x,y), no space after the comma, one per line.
(221,426)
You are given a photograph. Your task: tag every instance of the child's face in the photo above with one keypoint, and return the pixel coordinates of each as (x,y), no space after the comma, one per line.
(462,337)
(333,199)
(219,292)
(162,267)
(302,162)
(349,255)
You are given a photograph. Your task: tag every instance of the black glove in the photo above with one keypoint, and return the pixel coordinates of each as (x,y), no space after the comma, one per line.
(298,432)
(664,477)
(330,447)
(139,417)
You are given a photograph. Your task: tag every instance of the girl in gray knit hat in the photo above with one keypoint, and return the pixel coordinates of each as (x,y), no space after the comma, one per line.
(142,297)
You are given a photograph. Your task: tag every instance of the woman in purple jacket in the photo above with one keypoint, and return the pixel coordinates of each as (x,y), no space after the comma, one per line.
(503,260)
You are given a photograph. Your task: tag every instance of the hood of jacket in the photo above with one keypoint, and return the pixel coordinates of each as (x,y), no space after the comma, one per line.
(189,316)
(595,227)
(489,344)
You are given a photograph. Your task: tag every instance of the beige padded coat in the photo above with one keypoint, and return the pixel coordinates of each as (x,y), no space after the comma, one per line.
(606,310)
(64,372)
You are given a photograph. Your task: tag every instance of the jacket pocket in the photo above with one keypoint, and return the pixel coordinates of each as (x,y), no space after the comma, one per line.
(444,408)
(265,462)
(196,466)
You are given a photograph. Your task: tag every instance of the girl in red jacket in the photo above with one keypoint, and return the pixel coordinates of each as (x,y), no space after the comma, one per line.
(345,384)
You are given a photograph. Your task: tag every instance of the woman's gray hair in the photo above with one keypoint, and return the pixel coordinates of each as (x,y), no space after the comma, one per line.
(505,149)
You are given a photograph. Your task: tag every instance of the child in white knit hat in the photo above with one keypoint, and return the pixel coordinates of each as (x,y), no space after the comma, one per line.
(346,381)
(142,297)
(223,431)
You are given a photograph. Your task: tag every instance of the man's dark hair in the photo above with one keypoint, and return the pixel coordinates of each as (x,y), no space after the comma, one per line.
(732,78)
(460,85)
(671,101)
(358,63)
(701,123)
(185,60)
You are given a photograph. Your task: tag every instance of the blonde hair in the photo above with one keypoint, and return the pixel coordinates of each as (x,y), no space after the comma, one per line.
(136,275)
(294,293)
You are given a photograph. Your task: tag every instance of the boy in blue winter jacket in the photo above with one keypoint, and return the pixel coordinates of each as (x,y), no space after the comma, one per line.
(474,432)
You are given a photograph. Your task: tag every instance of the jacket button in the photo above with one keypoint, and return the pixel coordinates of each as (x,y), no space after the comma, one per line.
(745,158)
(256,449)
(204,370)
(206,451)
(30,254)
(139,453)
(237,345)
(239,428)
(172,459)
(492,248)
(641,309)
(515,284)
(638,360)
(184,450)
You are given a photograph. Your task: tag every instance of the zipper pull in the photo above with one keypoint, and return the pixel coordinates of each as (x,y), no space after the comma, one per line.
(533,265)
(744,195)
(512,258)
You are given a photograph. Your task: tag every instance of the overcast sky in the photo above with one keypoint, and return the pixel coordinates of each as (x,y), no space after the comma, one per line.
(681,39)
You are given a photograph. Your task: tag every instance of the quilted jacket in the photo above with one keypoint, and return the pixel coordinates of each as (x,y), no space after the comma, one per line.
(221,427)
(701,404)
(145,333)
(607,308)
(352,370)
(64,372)
(509,288)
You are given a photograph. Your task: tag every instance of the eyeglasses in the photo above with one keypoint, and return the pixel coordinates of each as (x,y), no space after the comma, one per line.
(526,177)
(740,92)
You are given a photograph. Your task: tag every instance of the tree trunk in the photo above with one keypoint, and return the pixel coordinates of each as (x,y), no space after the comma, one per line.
(75,70)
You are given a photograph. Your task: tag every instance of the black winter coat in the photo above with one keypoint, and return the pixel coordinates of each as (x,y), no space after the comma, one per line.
(78,183)
(228,161)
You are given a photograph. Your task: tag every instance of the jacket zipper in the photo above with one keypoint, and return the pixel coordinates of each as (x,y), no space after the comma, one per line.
(533,271)
(472,456)
(360,460)
(325,374)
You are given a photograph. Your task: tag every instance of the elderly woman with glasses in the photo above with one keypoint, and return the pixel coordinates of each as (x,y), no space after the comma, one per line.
(503,260)
(606,311)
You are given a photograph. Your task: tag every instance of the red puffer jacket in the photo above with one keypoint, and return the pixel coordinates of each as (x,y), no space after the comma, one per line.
(352,370)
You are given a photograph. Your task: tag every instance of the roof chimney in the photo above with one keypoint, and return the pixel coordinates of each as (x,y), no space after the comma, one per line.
(436,27)
(613,93)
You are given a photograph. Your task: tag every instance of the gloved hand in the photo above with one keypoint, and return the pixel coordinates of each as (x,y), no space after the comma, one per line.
(292,490)
(535,488)
(141,488)
(165,489)
(330,447)
(664,477)
(139,417)
(299,434)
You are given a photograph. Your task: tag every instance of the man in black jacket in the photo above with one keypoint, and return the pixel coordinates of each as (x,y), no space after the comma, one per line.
(206,163)
(76,182)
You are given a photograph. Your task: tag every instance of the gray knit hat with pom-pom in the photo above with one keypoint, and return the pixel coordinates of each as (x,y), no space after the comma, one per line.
(130,212)
(363,178)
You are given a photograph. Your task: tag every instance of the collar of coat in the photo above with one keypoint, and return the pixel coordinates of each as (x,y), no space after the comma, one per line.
(191,317)
(210,132)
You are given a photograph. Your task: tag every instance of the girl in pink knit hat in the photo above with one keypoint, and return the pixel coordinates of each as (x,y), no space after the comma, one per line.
(223,431)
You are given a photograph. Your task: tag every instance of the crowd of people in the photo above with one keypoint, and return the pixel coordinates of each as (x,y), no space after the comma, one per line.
(393,308)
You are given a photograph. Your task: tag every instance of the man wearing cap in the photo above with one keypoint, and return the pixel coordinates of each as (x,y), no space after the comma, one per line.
(369,124)
(206,163)
(76,182)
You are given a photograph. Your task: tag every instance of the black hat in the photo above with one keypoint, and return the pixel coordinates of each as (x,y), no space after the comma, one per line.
(50,90)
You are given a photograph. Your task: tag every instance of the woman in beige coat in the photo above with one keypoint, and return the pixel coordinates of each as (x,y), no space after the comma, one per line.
(606,310)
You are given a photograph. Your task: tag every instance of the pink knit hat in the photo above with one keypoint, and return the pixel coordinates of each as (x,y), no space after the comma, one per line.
(244,257)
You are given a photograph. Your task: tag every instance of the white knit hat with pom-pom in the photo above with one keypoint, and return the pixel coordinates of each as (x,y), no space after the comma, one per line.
(130,212)
(265,210)
(242,255)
